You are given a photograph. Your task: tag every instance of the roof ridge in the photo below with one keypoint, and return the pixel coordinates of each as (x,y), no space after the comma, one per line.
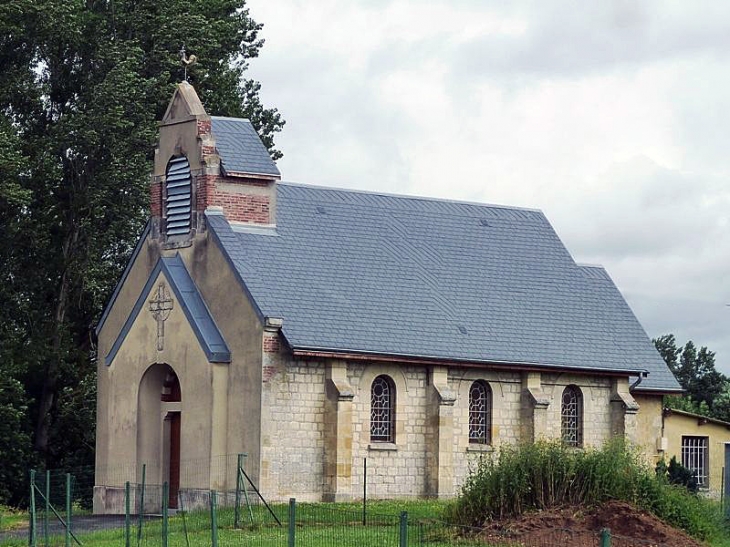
(411,197)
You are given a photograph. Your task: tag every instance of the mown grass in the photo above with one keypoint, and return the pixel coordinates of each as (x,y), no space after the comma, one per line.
(548,474)
(543,476)
(318,525)
(10,518)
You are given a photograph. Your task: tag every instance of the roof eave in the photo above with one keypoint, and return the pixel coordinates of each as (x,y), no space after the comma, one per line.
(705,419)
(311,352)
(657,391)
(250,174)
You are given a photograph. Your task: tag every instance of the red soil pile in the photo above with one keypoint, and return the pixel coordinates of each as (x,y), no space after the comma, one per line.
(579,527)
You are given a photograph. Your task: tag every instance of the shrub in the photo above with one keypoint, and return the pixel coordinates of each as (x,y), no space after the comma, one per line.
(547,474)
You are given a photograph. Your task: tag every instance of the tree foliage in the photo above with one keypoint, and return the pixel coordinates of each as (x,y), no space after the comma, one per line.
(707,390)
(83,85)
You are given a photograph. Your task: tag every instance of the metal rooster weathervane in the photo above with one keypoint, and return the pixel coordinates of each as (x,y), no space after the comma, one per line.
(187,61)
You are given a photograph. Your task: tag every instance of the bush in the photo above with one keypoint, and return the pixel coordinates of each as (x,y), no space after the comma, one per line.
(678,474)
(548,474)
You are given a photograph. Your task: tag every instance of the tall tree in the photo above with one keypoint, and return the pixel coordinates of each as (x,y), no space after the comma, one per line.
(695,370)
(84,82)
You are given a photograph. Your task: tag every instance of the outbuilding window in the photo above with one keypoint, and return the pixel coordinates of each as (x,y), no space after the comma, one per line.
(695,457)
(382,410)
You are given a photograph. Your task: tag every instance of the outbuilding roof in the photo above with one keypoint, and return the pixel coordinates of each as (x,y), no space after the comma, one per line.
(367,273)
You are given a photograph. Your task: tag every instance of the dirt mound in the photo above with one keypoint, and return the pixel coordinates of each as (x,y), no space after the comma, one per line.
(580,526)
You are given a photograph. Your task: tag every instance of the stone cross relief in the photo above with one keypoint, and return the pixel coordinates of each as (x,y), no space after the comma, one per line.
(160,307)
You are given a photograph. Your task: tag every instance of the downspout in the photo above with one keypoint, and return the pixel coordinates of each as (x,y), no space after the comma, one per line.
(642,375)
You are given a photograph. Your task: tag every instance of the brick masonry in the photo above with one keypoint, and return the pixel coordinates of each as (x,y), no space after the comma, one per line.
(271,344)
(243,207)
(204,127)
(156,198)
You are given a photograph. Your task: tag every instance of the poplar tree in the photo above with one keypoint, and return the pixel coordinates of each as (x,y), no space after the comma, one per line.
(83,84)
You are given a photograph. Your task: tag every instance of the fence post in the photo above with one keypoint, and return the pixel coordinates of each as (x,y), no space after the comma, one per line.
(404,529)
(32,536)
(127,491)
(364,491)
(213,519)
(68,510)
(165,502)
(239,476)
(605,537)
(141,506)
(237,509)
(292,521)
(48,508)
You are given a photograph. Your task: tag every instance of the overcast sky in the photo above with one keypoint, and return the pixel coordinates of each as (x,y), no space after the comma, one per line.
(613,118)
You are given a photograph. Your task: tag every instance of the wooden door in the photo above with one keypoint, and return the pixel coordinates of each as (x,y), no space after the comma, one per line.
(174,459)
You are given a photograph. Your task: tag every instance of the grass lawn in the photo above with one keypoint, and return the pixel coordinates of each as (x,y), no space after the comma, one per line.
(10,519)
(318,525)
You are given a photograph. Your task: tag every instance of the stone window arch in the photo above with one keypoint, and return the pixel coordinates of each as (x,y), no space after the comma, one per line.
(480,413)
(382,409)
(571,417)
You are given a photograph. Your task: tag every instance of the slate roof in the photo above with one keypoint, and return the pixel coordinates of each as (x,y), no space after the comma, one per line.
(362,272)
(240,147)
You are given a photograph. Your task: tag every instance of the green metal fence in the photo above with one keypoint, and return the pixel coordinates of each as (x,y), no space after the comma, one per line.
(61,514)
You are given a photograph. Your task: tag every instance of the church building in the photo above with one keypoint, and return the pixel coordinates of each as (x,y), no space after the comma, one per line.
(313,327)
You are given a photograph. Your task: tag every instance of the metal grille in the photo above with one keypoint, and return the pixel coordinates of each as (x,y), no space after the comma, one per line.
(480,413)
(178,184)
(382,410)
(695,458)
(571,417)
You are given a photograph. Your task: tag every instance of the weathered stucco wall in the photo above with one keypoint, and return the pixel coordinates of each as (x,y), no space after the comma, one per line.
(649,427)
(677,426)
(119,422)
(220,402)
(242,331)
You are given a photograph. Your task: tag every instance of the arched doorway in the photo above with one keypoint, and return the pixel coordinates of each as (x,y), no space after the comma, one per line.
(159,425)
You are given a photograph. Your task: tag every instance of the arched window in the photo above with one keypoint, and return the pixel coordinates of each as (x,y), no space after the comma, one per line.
(480,413)
(178,197)
(571,412)
(382,410)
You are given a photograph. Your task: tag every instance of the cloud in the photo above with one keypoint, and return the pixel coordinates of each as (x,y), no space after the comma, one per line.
(610,117)
(567,38)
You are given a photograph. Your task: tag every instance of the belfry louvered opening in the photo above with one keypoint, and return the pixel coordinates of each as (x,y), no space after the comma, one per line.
(178,200)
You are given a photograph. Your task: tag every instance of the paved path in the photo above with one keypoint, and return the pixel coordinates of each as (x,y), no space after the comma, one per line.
(79,525)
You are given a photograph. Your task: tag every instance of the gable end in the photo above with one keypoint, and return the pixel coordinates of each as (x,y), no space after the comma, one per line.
(192,304)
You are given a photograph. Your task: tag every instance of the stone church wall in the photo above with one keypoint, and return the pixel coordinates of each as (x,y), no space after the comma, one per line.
(596,393)
(293,431)
(398,469)
(506,407)
(295,427)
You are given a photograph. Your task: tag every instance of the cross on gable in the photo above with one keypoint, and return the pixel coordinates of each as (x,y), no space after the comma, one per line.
(160,307)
